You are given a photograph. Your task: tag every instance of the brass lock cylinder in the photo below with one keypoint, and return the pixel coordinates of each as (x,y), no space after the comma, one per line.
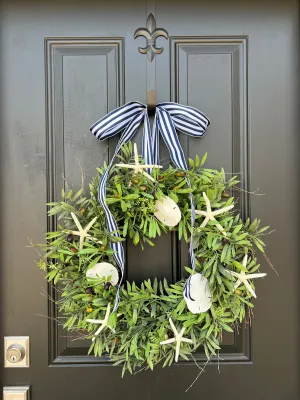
(15,353)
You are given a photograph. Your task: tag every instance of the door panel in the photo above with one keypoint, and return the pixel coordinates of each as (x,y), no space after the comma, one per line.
(66,64)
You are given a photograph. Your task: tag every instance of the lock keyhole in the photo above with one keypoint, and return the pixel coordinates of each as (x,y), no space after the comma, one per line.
(15,353)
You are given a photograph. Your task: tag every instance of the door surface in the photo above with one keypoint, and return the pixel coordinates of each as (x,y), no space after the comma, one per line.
(64,64)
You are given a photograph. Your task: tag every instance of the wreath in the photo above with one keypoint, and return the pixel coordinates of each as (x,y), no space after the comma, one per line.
(142,326)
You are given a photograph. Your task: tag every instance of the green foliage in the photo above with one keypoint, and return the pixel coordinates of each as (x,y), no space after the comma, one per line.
(141,320)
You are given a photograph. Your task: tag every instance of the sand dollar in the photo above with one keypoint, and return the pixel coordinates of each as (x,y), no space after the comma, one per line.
(104,270)
(200,293)
(167,211)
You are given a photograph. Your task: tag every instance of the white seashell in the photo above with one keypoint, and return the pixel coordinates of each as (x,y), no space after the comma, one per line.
(167,211)
(200,293)
(104,270)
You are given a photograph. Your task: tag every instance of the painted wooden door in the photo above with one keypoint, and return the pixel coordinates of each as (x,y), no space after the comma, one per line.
(65,64)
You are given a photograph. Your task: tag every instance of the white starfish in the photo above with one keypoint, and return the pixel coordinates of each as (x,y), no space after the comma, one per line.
(137,167)
(102,322)
(178,338)
(210,215)
(82,232)
(243,277)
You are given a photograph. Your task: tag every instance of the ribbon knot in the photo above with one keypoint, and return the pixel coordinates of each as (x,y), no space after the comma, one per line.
(126,120)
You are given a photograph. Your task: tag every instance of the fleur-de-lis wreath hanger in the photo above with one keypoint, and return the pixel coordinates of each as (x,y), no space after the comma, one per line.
(151,33)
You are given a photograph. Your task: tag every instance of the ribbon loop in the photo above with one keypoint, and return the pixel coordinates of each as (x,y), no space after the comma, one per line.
(169,118)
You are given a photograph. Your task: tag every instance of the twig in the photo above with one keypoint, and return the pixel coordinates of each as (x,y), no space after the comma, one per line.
(195,362)
(82,174)
(140,370)
(270,264)
(66,185)
(35,248)
(48,297)
(238,189)
(51,318)
(202,370)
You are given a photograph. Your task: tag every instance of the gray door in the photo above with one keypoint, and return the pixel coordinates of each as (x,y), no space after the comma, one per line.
(65,64)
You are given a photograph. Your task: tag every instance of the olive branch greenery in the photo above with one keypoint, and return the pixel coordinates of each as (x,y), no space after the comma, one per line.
(141,321)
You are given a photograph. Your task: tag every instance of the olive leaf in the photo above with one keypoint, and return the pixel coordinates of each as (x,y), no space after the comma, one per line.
(141,321)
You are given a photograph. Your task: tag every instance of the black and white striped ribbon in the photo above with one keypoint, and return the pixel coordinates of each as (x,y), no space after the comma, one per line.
(126,120)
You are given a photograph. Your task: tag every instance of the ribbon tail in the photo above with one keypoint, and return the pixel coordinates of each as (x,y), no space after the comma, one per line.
(194,127)
(169,134)
(112,226)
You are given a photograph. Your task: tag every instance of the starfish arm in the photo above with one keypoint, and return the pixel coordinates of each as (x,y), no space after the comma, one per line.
(253,276)
(95,321)
(245,260)
(222,210)
(150,166)
(221,229)
(126,166)
(187,340)
(248,286)
(169,341)
(76,221)
(173,327)
(232,274)
(177,351)
(99,330)
(237,284)
(81,240)
(207,202)
(148,176)
(89,225)
(97,333)
(107,314)
(199,212)
(76,233)
(181,333)
(204,223)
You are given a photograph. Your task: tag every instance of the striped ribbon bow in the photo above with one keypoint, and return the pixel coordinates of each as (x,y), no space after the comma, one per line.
(126,120)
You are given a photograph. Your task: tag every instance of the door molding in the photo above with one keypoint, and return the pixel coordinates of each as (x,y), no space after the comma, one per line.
(110,51)
(57,50)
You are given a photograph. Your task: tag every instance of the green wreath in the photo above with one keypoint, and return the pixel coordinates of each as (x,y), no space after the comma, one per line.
(153,322)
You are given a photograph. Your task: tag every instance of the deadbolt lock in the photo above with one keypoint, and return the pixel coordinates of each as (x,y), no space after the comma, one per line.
(15,353)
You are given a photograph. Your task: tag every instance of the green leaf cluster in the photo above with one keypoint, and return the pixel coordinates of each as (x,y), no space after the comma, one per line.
(141,320)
